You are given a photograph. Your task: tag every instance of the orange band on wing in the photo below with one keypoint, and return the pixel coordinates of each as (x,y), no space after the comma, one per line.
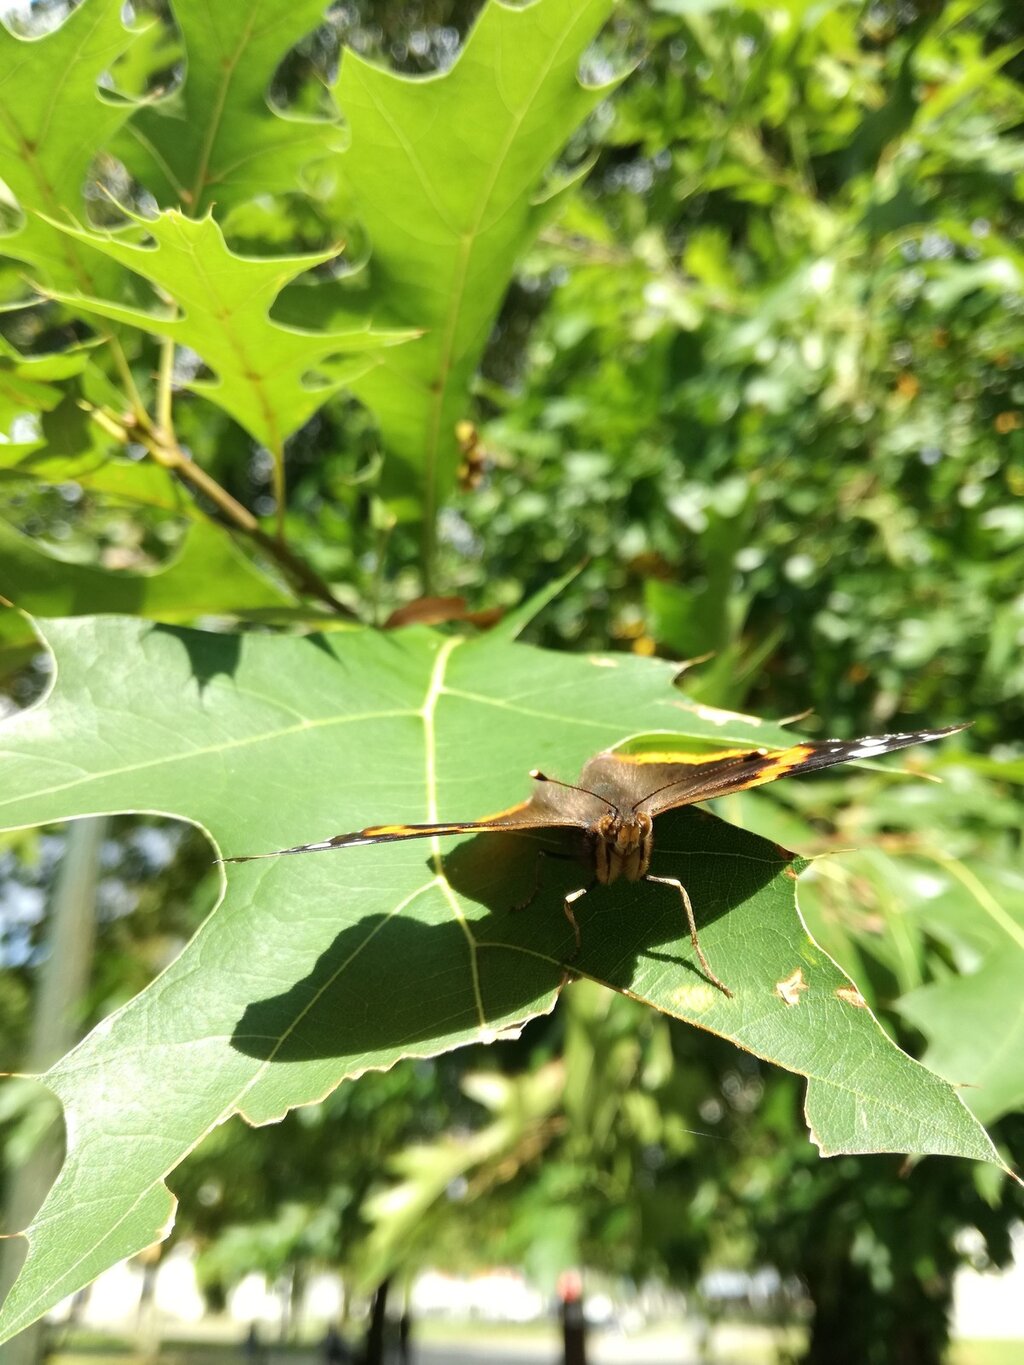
(777,765)
(411,831)
(773,767)
(446,827)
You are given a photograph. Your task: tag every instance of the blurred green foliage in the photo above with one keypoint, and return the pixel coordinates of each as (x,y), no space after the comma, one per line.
(777,390)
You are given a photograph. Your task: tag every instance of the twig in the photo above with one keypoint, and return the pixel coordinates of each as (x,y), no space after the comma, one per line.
(165,450)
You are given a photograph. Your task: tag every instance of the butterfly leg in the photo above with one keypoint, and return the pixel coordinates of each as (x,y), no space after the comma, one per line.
(688,907)
(567,905)
(542,854)
(537,864)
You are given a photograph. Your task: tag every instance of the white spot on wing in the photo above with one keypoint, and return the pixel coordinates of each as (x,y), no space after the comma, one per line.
(870,750)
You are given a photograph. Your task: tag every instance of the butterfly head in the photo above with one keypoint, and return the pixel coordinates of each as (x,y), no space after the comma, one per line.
(623,842)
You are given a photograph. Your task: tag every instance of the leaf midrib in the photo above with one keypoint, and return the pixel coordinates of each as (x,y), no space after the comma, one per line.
(223,747)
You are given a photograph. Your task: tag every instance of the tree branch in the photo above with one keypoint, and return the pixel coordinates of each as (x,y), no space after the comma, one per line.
(162,445)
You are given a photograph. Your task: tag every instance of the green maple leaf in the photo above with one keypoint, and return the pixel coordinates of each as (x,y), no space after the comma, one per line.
(974,1022)
(53,120)
(445,175)
(270,378)
(315,968)
(216,140)
(30,384)
(208,573)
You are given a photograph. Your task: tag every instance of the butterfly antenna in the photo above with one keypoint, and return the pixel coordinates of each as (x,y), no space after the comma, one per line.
(538,776)
(657,792)
(679,781)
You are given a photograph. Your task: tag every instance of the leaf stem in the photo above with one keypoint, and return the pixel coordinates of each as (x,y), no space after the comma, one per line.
(164,386)
(138,408)
(279,490)
(429,544)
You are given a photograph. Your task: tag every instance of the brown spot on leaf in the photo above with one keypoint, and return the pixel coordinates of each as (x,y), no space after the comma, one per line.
(789,990)
(695,999)
(850,995)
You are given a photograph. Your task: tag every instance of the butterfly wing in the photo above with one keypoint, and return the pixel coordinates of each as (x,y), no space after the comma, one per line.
(546,809)
(640,782)
(659,782)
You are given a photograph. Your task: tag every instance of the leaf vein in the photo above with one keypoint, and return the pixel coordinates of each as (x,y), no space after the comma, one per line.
(224,747)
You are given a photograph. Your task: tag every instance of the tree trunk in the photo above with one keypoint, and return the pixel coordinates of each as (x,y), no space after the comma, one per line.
(857,1324)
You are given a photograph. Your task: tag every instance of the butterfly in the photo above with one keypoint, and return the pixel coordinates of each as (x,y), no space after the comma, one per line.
(617,798)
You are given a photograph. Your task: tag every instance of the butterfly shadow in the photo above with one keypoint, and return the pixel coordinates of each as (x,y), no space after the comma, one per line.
(399,981)
(394,983)
(208,655)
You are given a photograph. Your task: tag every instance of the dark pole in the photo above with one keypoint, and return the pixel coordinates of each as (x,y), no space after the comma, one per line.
(374,1354)
(574,1339)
